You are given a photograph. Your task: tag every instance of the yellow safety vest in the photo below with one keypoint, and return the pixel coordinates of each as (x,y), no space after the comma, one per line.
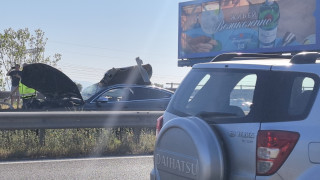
(26,92)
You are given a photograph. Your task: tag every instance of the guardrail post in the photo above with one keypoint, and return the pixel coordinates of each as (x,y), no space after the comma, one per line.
(136,134)
(121,133)
(42,133)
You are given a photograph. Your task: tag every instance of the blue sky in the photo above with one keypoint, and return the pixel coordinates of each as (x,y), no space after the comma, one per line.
(94,36)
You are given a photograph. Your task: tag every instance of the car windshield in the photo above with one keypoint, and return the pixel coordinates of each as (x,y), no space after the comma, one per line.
(91,90)
(269,95)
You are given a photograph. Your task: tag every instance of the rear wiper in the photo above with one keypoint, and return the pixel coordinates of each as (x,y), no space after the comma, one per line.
(204,114)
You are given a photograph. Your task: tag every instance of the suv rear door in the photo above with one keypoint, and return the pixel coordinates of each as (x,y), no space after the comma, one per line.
(225,99)
(240,133)
(249,107)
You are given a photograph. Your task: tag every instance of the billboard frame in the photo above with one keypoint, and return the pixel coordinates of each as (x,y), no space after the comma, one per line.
(192,58)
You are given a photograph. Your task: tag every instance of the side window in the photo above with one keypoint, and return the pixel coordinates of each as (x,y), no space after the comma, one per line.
(302,89)
(307,84)
(141,93)
(242,94)
(118,94)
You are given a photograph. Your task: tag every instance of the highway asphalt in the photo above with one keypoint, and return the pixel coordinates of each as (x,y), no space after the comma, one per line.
(113,168)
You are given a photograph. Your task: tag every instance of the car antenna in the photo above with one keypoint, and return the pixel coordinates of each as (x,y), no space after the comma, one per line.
(142,71)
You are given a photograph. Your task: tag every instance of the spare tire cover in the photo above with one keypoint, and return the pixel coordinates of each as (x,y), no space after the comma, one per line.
(188,148)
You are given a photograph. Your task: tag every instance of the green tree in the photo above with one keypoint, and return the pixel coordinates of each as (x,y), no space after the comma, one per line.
(21,46)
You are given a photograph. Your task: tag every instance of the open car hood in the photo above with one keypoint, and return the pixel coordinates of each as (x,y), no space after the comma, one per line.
(49,81)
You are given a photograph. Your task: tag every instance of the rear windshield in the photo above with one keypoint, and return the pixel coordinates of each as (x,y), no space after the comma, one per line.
(252,95)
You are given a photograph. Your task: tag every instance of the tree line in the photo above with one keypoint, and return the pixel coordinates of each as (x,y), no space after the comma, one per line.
(22,46)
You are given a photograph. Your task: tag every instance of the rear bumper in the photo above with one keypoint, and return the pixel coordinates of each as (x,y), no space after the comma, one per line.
(153,175)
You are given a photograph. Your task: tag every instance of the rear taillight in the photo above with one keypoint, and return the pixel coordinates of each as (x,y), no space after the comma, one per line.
(159,125)
(273,148)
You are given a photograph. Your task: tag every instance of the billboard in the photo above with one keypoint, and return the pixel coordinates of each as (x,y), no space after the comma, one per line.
(211,27)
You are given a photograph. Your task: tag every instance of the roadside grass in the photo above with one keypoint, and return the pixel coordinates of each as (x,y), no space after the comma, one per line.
(66,143)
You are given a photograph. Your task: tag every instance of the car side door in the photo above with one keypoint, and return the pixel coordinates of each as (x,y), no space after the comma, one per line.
(113,99)
(149,99)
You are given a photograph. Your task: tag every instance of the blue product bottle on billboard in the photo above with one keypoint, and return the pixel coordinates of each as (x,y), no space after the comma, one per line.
(270,12)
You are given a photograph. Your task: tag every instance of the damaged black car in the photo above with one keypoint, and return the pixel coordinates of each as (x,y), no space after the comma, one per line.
(120,89)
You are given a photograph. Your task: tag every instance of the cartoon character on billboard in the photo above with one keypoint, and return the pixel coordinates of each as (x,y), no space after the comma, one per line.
(197,25)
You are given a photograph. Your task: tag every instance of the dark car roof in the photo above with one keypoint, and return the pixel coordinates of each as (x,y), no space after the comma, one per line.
(126,75)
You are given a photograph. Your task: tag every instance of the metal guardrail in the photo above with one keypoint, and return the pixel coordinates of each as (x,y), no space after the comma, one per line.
(79,119)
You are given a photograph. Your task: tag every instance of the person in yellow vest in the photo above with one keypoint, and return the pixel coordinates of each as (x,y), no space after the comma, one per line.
(26,94)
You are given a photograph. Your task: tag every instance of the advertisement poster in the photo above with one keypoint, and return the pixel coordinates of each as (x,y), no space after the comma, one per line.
(209,28)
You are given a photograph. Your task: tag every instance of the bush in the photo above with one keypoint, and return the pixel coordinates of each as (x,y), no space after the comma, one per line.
(88,142)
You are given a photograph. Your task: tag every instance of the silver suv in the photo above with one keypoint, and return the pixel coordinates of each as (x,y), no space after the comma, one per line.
(243,116)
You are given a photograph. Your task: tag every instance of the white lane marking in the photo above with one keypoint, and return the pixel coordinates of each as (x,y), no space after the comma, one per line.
(75,159)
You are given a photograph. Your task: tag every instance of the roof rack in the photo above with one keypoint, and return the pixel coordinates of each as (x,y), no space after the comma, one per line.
(305,58)
(241,56)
